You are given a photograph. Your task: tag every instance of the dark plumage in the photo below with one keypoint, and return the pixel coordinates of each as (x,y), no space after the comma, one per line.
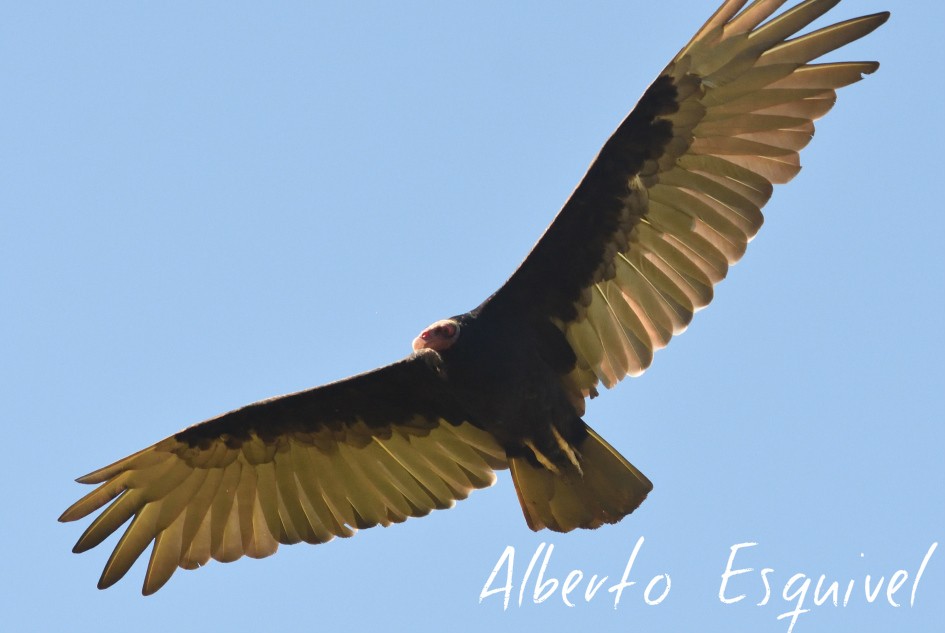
(668,205)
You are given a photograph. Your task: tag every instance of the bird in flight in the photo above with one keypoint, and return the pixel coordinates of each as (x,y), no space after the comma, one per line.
(670,202)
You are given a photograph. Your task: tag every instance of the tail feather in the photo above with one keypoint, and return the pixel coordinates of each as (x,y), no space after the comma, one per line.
(609,488)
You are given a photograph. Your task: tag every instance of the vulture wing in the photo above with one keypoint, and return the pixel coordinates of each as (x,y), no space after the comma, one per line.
(676,193)
(373,449)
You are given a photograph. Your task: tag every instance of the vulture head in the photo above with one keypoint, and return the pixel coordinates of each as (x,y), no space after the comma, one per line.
(438,336)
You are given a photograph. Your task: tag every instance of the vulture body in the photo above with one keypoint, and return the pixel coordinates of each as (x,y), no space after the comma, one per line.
(668,205)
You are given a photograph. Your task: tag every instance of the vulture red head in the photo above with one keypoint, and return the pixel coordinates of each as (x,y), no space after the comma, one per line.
(438,336)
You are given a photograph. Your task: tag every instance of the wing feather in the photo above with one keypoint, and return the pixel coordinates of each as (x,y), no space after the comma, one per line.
(226,507)
(198,511)
(165,556)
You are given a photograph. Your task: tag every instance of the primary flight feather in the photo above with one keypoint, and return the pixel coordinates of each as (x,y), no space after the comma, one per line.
(670,203)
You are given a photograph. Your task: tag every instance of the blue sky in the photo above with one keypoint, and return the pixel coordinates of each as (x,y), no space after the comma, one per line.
(202,206)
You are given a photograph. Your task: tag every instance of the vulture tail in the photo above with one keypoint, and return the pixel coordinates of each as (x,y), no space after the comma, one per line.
(604,489)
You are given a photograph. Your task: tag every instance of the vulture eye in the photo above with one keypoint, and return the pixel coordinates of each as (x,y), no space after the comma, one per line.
(438,337)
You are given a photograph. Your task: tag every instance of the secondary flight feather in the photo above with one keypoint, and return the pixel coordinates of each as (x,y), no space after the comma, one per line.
(669,204)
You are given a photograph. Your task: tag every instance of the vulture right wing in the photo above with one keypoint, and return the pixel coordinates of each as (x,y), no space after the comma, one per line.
(369,450)
(676,193)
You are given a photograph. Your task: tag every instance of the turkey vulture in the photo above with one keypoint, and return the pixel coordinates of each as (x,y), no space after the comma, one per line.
(667,206)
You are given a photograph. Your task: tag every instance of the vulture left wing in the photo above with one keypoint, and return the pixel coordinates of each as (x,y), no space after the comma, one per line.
(369,450)
(676,193)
